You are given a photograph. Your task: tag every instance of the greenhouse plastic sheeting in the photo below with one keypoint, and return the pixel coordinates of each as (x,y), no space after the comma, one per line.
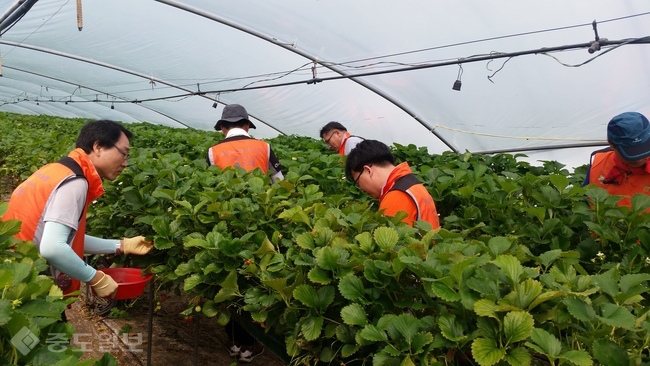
(384,69)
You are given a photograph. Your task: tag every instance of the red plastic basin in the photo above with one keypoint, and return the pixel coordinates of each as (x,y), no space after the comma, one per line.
(130,281)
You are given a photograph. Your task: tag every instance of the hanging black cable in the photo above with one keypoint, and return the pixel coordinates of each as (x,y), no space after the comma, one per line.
(14,15)
(481,40)
(544,50)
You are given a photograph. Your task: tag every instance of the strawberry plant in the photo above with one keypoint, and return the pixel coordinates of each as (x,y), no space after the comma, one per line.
(528,267)
(31,306)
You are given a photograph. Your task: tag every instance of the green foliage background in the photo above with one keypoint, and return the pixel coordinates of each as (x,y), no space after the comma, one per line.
(32,302)
(528,267)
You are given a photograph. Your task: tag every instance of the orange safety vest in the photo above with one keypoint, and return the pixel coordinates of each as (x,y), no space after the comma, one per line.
(247,153)
(404,192)
(344,141)
(345,138)
(609,172)
(29,199)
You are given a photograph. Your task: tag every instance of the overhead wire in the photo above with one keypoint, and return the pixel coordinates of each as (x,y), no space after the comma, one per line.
(279,75)
(383,64)
(645,39)
(489,39)
(276,78)
(413,66)
(588,60)
(247,87)
(459,61)
(39,27)
(526,138)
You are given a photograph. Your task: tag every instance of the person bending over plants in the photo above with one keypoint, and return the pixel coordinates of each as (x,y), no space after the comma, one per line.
(337,138)
(623,168)
(52,205)
(371,166)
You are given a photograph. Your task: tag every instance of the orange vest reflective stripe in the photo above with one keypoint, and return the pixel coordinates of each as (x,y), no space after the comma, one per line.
(635,180)
(344,142)
(345,138)
(411,197)
(247,153)
(29,199)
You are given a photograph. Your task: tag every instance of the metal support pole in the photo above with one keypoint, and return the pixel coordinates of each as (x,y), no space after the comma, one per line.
(15,12)
(150,325)
(196,340)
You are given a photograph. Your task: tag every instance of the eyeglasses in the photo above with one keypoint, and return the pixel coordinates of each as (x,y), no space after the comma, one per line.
(329,138)
(125,155)
(356,181)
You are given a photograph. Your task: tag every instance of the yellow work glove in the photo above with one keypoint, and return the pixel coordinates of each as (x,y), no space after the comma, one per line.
(106,286)
(137,245)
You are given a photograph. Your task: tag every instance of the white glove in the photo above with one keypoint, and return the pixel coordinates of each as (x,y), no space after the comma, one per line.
(137,245)
(106,286)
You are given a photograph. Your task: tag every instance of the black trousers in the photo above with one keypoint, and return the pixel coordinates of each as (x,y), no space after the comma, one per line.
(237,334)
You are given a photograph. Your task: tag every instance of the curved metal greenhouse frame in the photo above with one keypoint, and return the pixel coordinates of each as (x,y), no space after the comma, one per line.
(539,78)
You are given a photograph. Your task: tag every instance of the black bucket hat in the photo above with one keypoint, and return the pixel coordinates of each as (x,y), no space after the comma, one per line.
(233,113)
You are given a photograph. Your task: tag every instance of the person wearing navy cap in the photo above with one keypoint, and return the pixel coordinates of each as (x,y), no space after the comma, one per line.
(623,169)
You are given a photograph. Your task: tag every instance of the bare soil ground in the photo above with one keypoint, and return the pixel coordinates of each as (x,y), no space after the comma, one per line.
(172,338)
(7,185)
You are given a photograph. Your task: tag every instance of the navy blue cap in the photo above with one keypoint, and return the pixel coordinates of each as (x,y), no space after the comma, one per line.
(629,132)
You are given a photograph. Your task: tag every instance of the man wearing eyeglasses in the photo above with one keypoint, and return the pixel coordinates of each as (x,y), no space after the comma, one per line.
(371,166)
(52,205)
(337,138)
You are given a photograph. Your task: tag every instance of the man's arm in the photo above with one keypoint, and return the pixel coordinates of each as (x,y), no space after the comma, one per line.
(209,158)
(55,249)
(95,245)
(61,221)
(351,143)
(586,182)
(275,167)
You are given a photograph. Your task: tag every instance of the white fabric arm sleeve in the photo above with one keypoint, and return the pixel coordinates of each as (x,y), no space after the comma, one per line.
(352,142)
(56,250)
(278,176)
(95,245)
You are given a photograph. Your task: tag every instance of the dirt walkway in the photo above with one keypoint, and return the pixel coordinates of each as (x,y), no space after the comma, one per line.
(172,337)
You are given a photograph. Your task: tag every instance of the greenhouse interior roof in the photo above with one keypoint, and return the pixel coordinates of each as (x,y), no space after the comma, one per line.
(542,78)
